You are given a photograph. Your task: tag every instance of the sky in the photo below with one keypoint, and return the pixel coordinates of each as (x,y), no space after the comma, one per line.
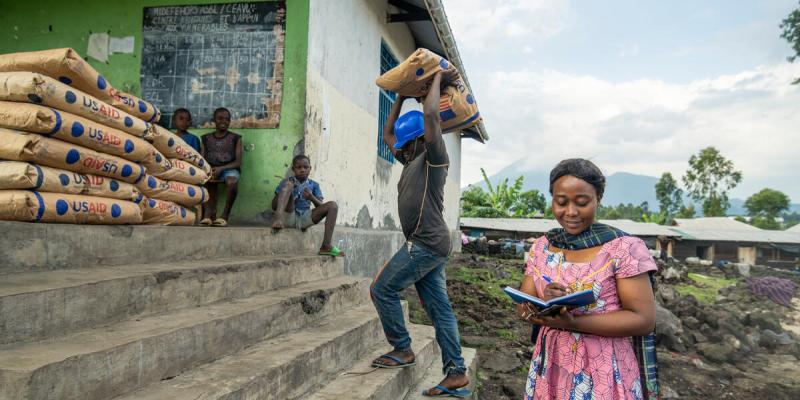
(635,86)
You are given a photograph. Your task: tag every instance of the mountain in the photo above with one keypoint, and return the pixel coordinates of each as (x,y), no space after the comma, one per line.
(621,187)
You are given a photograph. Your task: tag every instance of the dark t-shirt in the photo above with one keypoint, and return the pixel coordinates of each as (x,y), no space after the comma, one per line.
(421,206)
(220,151)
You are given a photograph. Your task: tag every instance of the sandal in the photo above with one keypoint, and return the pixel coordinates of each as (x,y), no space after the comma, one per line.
(220,222)
(205,222)
(400,363)
(333,251)
(445,392)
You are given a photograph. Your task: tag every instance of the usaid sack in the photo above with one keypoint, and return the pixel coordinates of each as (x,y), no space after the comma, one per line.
(413,76)
(23,146)
(176,192)
(182,172)
(457,108)
(81,131)
(68,67)
(172,146)
(40,89)
(32,206)
(22,175)
(159,212)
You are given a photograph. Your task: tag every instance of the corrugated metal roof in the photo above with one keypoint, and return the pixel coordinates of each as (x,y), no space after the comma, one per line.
(714,223)
(723,229)
(794,229)
(528,225)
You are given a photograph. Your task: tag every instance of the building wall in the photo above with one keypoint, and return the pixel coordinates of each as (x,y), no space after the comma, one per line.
(46,24)
(342,113)
(726,251)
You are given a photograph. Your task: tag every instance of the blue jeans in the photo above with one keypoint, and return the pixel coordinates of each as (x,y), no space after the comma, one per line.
(418,265)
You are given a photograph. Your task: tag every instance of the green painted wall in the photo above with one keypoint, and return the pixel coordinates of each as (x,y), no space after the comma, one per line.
(45,24)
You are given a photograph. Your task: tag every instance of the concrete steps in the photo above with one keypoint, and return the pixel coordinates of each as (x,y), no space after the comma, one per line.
(137,312)
(41,305)
(285,367)
(38,247)
(383,383)
(433,376)
(104,362)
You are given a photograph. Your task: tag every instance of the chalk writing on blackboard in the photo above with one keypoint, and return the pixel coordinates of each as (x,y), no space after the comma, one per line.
(201,57)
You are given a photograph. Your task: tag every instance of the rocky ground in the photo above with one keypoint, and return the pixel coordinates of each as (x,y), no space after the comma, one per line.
(716,339)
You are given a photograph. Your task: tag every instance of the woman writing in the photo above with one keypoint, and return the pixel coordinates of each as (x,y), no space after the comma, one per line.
(587,352)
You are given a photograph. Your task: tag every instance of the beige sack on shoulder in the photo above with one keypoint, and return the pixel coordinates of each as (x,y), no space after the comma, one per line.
(182,171)
(68,67)
(32,206)
(40,89)
(457,108)
(81,131)
(176,192)
(22,175)
(159,212)
(413,76)
(23,146)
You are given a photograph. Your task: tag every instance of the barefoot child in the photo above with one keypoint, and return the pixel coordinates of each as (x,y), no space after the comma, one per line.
(292,205)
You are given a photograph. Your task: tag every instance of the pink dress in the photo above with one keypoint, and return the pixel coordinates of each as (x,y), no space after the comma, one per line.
(571,365)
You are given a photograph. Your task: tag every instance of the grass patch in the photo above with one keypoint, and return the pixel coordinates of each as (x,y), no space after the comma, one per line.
(485,280)
(709,290)
(507,334)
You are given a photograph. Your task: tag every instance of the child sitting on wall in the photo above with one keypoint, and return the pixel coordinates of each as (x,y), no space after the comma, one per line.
(223,151)
(292,205)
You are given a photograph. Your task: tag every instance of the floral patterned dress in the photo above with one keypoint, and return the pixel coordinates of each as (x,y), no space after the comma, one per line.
(571,365)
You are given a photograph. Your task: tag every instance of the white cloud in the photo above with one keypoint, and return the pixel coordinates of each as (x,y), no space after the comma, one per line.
(480,24)
(642,126)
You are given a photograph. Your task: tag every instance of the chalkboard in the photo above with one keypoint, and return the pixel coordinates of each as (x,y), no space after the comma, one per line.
(202,57)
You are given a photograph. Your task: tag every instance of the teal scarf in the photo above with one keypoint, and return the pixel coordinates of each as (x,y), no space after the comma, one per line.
(596,235)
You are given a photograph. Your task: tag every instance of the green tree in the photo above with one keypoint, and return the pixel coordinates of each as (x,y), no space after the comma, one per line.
(765,223)
(529,204)
(656,218)
(790,30)
(669,195)
(765,206)
(686,212)
(502,200)
(476,203)
(709,178)
(790,219)
(767,203)
(624,211)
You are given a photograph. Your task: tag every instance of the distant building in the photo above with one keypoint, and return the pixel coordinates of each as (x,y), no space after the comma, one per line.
(722,238)
(656,236)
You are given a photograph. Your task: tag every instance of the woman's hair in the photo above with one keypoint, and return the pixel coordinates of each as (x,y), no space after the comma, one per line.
(582,169)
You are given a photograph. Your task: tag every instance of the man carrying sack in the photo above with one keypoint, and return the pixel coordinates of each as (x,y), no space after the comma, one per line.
(416,141)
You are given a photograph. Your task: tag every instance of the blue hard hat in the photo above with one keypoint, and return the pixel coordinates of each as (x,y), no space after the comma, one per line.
(408,127)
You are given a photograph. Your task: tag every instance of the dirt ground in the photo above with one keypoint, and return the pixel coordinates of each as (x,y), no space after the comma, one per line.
(696,371)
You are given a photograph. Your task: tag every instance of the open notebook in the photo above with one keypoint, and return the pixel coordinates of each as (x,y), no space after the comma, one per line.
(577,299)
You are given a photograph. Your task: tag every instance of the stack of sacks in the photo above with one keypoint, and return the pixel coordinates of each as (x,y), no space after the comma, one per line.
(170,192)
(457,107)
(39,112)
(59,204)
(68,67)
(29,192)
